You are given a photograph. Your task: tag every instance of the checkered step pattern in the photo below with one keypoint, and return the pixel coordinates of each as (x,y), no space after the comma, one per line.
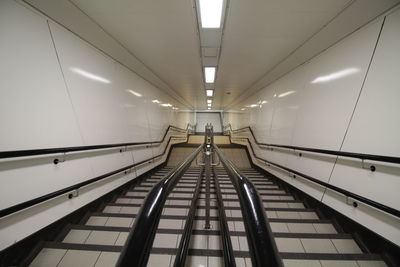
(303,236)
(100,237)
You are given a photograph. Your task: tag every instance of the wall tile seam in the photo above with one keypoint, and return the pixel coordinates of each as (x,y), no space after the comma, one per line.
(356,103)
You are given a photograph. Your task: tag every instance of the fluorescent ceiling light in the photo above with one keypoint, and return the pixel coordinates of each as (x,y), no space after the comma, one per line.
(134,93)
(90,75)
(174,108)
(210,92)
(335,75)
(155,101)
(286,93)
(209,72)
(209,101)
(264,102)
(242,109)
(208,108)
(252,106)
(210,13)
(209,104)
(166,105)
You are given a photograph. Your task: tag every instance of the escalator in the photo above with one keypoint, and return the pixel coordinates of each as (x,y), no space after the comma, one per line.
(302,235)
(209,217)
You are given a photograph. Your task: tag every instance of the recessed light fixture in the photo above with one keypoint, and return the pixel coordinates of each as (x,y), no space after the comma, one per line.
(209,72)
(210,13)
(209,101)
(90,75)
(210,92)
(134,93)
(209,104)
(166,105)
(208,108)
(156,101)
(174,108)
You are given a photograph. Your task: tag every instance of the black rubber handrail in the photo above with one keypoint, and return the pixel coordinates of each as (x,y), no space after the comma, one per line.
(183,248)
(227,250)
(295,173)
(45,151)
(140,240)
(361,156)
(262,246)
(38,200)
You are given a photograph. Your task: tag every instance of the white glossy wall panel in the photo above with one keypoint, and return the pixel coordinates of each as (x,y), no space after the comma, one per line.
(306,186)
(19,225)
(159,117)
(69,15)
(109,160)
(262,115)
(159,149)
(93,86)
(182,118)
(25,179)
(203,118)
(236,119)
(375,127)
(381,185)
(330,92)
(287,100)
(33,97)
(315,165)
(135,99)
(278,156)
(327,103)
(101,103)
(383,224)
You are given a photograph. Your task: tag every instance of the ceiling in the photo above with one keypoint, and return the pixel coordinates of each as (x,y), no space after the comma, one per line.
(260,38)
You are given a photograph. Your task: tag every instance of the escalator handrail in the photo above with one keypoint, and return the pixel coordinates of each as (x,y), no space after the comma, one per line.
(140,240)
(262,246)
(229,257)
(184,243)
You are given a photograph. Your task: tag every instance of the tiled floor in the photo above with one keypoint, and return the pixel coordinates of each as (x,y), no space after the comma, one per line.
(71,257)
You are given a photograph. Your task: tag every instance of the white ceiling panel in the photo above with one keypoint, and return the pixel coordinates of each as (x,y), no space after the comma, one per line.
(259,34)
(262,39)
(162,34)
(348,19)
